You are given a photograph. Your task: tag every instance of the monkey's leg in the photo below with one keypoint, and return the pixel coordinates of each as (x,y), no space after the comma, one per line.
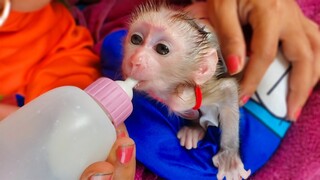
(228,159)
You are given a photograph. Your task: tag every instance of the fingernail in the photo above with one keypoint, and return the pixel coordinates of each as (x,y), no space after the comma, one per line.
(310,92)
(101,176)
(297,114)
(120,133)
(233,64)
(244,100)
(124,153)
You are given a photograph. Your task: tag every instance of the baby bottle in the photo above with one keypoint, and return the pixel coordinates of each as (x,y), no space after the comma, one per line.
(60,133)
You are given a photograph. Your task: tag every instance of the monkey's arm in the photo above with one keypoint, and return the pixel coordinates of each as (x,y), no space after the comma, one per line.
(190,135)
(229,124)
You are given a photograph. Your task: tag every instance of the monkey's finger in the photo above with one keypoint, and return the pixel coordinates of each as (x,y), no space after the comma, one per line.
(263,50)
(195,140)
(245,174)
(215,161)
(181,136)
(229,176)
(234,175)
(220,174)
(183,141)
(224,17)
(201,135)
(189,138)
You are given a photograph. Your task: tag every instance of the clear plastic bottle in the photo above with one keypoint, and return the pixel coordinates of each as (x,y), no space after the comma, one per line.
(60,133)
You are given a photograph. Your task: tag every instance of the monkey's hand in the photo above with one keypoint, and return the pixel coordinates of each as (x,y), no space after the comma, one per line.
(230,165)
(190,135)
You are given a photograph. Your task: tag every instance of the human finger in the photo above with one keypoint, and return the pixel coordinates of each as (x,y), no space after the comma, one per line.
(28,5)
(121,161)
(313,34)
(122,156)
(224,17)
(98,170)
(7,109)
(299,88)
(297,49)
(300,56)
(263,48)
(122,131)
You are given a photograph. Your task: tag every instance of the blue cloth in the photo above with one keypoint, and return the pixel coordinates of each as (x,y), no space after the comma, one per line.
(154,130)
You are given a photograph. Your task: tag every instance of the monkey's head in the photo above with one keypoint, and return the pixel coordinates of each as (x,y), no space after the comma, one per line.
(166,48)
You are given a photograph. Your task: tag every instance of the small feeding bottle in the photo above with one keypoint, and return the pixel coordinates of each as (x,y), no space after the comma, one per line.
(63,131)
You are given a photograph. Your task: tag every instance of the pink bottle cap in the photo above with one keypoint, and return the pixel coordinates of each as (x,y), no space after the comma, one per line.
(113,98)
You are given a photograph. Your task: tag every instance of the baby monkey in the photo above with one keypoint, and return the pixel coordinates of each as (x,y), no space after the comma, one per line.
(175,59)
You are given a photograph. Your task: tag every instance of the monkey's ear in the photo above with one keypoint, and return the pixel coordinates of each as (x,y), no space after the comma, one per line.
(207,67)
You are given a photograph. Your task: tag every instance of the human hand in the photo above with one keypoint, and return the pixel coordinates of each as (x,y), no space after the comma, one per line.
(6,109)
(19,5)
(26,5)
(121,163)
(271,21)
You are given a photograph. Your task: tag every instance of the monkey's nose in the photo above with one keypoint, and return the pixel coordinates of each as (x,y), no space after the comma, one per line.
(136,68)
(139,62)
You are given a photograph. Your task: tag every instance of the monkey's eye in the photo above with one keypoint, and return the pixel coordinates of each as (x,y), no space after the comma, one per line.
(136,39)
(162,49)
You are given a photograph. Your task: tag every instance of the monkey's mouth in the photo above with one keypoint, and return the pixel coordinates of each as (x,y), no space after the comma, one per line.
(141,85)
(144,86)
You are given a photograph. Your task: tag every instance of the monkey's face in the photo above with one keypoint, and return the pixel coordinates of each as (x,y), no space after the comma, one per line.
(152,55)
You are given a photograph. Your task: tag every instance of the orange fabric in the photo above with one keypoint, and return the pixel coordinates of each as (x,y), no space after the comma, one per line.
(44,49)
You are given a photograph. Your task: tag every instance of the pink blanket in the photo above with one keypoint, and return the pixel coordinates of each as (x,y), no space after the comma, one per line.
(298,157)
